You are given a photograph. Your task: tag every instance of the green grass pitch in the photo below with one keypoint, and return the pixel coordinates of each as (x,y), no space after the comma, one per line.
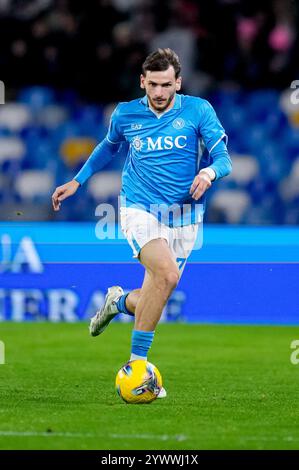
(229,387)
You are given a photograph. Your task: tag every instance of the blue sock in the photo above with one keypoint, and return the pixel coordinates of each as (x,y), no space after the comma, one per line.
(141,342)
(121,305)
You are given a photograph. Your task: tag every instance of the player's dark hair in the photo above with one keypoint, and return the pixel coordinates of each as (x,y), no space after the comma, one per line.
(160,60)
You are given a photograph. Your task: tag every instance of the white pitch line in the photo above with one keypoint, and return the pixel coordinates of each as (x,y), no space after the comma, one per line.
(44,434)
(163,437)
(269,438)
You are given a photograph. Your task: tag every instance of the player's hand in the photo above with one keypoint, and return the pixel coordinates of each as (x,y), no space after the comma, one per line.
(62,192)
(200,184)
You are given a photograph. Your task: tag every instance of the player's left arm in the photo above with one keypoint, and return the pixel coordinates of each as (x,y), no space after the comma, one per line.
(220,167)
(215,140)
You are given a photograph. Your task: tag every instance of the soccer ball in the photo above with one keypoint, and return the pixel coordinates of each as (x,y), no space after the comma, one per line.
(138,382)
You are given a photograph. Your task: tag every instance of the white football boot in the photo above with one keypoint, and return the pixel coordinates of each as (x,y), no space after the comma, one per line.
(162,393)
(100,321)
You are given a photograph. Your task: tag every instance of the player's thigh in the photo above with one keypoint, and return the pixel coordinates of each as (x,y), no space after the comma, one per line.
(141,227)
(183,243)
(157,257)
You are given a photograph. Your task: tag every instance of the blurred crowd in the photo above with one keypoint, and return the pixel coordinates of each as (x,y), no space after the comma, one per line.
(66,63)
(97,47)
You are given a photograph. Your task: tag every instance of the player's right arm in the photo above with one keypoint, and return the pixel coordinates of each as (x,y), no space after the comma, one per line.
(62,192)
(101,155)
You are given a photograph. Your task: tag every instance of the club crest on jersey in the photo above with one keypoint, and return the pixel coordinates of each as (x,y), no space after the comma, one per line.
(178,123)
(137,143)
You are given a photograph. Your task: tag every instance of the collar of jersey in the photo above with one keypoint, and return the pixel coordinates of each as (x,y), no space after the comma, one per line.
(177,103)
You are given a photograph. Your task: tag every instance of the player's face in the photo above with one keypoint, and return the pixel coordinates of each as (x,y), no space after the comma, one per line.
(160,88)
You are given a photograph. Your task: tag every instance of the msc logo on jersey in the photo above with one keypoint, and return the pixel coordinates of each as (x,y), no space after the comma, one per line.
(167,142)
(178,123)
(160,143)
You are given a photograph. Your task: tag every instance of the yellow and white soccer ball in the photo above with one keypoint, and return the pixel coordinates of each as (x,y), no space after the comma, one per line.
(138,382)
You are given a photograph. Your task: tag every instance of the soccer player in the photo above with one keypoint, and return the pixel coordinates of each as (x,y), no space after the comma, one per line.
(163,188)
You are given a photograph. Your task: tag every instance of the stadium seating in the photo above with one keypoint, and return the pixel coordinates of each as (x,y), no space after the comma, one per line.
(34,185)
(104,187)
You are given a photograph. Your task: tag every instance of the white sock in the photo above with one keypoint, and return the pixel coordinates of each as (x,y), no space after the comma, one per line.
(135,357)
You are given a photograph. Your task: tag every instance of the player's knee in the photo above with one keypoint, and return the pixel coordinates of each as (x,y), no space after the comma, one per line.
(172,279)
(167,279)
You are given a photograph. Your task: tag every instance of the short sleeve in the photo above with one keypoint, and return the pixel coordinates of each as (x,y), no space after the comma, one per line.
(210,127)
(114,134)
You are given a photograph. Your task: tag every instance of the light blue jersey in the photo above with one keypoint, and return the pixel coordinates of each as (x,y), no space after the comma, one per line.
(164,154)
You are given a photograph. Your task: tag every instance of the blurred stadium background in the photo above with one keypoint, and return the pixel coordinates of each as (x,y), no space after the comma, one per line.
(232,383)
(65,64)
